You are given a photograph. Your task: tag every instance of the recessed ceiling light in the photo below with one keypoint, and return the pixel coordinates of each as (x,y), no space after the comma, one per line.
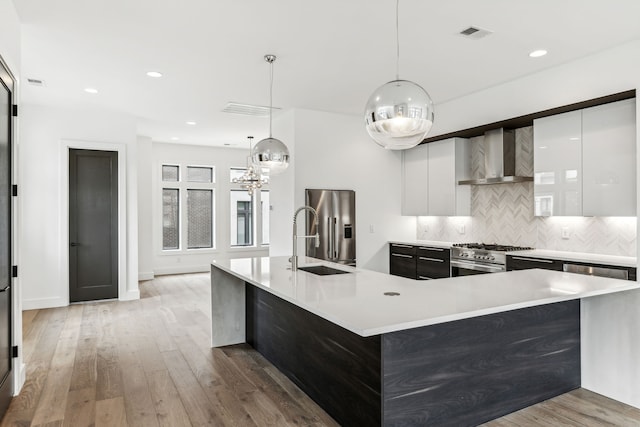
(91,90)
(192,123)
(174,138)
(154,74)
(538,53)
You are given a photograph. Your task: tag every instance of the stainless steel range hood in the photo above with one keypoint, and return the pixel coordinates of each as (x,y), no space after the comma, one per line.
(499,159)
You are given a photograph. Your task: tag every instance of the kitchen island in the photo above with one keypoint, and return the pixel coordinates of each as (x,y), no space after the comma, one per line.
(374,349)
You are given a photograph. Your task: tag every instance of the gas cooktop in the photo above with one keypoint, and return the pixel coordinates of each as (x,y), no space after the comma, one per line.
(491,247)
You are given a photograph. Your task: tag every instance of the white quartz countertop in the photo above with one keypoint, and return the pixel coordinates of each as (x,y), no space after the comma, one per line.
(356,301)
(616,260)
(622,261)
(431,243)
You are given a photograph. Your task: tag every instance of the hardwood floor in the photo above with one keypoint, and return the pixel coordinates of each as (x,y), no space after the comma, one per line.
(148,363)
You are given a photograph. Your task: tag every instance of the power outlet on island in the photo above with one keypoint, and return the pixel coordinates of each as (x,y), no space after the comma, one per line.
(565,233)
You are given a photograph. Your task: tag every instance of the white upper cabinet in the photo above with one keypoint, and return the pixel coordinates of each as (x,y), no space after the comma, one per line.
(585,162)
(415,173)
(609,159)
(430,179)
(557,153)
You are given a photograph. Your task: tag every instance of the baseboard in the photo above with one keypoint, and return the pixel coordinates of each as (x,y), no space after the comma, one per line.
(130,295)
(36,304)
(182,270)
(145,276)
(19,378)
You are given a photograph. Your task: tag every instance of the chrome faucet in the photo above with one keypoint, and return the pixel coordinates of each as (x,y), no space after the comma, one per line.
(294,257)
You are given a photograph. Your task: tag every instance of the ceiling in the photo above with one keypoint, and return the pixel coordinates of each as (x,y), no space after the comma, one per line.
(331,54)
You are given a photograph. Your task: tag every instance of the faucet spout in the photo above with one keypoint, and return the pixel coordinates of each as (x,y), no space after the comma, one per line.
(294,256)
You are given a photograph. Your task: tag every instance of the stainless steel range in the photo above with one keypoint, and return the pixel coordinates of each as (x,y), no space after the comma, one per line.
(479,258)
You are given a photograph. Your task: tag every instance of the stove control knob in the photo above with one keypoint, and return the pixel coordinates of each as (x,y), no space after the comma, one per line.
(492,258)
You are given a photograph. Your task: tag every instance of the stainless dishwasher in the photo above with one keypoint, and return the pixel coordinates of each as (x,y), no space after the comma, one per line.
(611,272)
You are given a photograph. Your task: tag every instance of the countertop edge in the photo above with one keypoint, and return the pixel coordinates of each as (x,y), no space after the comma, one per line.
(425,322)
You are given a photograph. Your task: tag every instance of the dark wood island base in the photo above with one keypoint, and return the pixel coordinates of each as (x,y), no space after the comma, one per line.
(459,373)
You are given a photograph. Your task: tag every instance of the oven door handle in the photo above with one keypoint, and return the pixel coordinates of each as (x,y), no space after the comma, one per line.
(487,268)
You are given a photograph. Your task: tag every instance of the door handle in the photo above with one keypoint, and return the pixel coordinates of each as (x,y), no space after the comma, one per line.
(335,250)
(74,244)
(5,289)
(330,245)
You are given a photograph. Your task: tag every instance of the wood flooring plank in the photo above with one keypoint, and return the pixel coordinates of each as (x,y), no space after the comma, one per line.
(111,413)
(201,412)
(53,399)
(212,379)
(81,408)
(85,365)
(108,373)
(293,412)
(169,407)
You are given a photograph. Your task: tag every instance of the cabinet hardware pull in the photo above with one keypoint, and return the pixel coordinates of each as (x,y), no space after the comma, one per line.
(425,277)
(431,259)
(397,245)
(431,249)
(548,261)
(403,255)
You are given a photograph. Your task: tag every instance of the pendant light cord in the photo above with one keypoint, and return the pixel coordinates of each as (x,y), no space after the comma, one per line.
(271,98)
(397,41)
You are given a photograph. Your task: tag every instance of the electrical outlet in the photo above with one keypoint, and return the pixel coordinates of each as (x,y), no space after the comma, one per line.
(565,233)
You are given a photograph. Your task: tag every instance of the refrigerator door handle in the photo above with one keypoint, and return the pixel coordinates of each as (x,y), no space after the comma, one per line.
(330,245)
(335,250)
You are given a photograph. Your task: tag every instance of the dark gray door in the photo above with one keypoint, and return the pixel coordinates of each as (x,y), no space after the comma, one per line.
(6,140)
(93,225)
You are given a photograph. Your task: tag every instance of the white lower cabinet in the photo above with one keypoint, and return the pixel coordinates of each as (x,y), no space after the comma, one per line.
(430,176)
(585,162)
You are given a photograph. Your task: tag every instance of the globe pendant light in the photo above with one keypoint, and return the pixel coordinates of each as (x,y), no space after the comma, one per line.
(271,153)
(399,114)
(250,179)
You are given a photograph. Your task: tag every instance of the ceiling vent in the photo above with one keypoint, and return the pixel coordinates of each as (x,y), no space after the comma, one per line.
(247,109)
(475,33)
(35,82)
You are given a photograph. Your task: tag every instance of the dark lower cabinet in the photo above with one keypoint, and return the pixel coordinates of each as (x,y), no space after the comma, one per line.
(515,262)
(433,263)
(419,262)
(525,263)
(402,260)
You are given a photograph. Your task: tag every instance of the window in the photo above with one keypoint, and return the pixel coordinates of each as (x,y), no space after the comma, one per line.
(188,202)
(249,214)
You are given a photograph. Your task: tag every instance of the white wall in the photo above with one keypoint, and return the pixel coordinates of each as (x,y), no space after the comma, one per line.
(145,212)
(43,252)
(282,188)
(10,36)
(198,260)
(610,338)
(334,151)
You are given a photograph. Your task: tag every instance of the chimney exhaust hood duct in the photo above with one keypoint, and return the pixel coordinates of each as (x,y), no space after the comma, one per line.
(499,159)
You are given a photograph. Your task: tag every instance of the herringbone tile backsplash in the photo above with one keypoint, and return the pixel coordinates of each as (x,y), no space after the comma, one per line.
(504,214)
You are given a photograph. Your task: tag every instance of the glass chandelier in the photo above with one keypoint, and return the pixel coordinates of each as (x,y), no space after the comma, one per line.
(251,179)
(399,114)
(271,153)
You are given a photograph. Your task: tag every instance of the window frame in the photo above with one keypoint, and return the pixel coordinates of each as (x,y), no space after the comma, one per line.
(183,186)
(257,218)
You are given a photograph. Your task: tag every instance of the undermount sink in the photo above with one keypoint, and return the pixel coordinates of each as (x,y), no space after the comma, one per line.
(322,270)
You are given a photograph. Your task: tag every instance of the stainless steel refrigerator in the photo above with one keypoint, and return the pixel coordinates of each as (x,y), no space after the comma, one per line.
(336,225)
